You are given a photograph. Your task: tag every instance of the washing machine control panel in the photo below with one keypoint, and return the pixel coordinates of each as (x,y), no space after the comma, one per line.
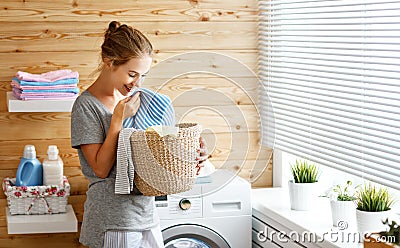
(180,206)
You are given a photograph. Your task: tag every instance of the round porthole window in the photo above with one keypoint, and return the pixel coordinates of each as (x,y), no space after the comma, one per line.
(192,236)
(186,243)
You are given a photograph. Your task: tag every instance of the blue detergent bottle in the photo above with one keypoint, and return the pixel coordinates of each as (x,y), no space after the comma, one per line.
(30,170)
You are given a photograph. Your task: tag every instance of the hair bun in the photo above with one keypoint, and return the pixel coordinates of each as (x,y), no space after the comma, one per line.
(112,27)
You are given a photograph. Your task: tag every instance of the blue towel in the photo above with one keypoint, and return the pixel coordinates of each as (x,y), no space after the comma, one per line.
(155,109)
(58,82)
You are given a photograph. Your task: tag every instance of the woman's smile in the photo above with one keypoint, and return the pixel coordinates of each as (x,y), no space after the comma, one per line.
(127,88)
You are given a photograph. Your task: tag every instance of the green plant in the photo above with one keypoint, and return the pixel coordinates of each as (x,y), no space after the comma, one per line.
(305,172)
(393,234)
(372,199)
(344,193)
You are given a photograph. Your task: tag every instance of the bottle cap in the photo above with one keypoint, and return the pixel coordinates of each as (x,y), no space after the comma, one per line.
(29,152)
(52,152)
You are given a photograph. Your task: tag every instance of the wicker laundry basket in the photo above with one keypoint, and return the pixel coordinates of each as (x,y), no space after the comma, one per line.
(165,165)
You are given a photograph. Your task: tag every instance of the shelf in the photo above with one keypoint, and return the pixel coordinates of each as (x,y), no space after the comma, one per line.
(44,223)
(15,105)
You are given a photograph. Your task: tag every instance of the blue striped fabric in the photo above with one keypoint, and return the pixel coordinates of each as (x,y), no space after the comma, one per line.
(155,109)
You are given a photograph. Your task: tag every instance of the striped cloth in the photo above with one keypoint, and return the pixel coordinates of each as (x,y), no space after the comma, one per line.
(125,170)
(155,109)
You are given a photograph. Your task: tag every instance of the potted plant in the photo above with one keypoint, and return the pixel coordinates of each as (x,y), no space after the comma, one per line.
(303,187)
(385,239)
(373,206)
(343,206)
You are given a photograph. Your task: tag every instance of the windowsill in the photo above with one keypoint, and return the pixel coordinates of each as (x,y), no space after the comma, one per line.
(275,203)
(329,177)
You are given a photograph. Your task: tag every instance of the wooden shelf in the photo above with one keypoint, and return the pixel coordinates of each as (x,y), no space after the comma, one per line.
(43,223)
(15,105)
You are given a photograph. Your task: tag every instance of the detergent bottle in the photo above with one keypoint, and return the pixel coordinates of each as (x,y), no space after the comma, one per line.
(52,167)
(30,170)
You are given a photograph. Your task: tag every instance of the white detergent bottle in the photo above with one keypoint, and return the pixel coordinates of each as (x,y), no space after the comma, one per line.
(53,167)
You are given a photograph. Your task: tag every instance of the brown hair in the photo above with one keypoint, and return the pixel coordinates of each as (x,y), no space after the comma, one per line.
(122,43)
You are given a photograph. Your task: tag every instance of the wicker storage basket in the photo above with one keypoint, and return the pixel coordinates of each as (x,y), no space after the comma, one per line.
(165,165)
(36,199)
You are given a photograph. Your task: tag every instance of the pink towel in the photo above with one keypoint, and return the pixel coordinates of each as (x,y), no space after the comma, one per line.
(47,76)
(53,96)
(60,95)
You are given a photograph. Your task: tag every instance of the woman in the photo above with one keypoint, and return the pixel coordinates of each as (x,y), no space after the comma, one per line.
(112,220)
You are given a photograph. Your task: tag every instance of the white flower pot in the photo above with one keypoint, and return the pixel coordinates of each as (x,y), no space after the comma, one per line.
(371,222)
(302,195)
(344,214)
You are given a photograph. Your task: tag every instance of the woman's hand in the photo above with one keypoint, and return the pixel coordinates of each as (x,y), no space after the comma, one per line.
(203,154)
(132,105)
(127,107)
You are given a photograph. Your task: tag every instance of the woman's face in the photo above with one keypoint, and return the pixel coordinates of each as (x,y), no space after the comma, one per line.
(130,75)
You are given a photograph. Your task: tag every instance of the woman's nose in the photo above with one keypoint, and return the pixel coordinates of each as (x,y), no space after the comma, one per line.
(136,83)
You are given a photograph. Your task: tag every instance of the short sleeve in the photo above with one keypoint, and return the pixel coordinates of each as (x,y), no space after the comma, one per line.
(86,124)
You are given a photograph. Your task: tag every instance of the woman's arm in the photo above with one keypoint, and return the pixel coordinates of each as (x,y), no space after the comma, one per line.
(101,157)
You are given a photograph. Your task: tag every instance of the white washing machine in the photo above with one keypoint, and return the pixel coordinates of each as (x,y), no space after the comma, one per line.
(214,214)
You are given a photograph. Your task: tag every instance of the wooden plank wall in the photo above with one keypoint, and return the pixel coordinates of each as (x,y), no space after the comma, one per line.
(40,35)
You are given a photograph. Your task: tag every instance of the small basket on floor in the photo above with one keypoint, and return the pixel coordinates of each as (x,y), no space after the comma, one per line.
(46,199)
(165,165)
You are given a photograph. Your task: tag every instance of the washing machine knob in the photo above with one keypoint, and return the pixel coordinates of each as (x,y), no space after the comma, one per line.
(185,204)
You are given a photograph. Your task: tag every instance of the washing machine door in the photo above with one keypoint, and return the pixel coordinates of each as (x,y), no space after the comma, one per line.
(192,236)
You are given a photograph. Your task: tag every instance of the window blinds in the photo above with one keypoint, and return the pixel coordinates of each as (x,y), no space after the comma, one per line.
(330,69)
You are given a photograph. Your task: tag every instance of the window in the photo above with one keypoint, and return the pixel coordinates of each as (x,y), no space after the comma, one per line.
(330,83)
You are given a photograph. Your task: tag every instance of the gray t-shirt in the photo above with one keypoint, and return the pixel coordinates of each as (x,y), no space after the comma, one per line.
(104,210)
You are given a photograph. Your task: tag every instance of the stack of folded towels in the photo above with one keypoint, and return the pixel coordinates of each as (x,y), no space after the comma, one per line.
(52,85)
